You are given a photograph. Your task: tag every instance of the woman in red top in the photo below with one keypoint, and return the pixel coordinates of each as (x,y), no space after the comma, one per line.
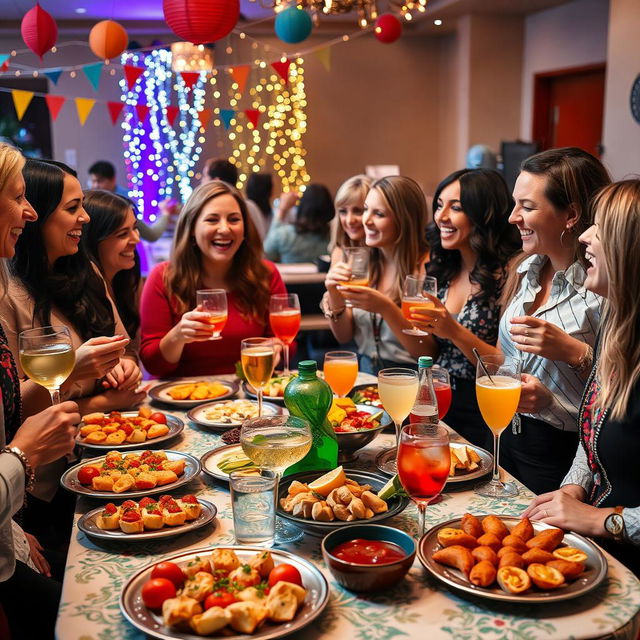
(216,246)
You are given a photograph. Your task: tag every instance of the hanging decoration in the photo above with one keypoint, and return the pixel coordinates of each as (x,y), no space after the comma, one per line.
(293,25)
(55,104)
(53,75)
(240,74)
(171,112)
(227,116)
(132,74)
(324,55)
(388,28)
(282,68)
(84,107)
(108,39)
(93,73)
(21,100)
(201,21)
(190,78)
(115,109)
(39,30)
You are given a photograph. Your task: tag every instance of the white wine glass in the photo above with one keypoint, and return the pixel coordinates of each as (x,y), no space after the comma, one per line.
(47,356)
(258,359)
(276,443)
(413,298)
(213,302)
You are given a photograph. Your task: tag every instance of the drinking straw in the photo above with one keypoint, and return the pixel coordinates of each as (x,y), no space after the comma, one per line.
(477,355)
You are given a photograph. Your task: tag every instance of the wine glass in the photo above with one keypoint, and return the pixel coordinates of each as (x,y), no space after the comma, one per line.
(213,302)
(340,371)
(284,318)
(413,298)
(398,389)
(498,386)
(258,358)
(442,387)
(47,357)
(358,259)
(424,458)
(275,443)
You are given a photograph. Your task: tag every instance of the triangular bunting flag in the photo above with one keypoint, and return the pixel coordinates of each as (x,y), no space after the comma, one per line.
(253,116)
(93,71)
(3,58)
(240,75)
(171,112)
(115,108)
(21,100)
(4,66)
(282,69)
(204,115)
(190,78)
(55,104)
(227,116)
(143,111)
(53,75)
(324,55)
(84,106)
(132,74)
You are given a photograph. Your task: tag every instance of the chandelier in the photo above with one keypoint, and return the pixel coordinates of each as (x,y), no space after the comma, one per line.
(366,10)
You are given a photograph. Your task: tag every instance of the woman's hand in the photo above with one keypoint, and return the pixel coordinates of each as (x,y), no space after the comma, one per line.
(192,327)
(38,559)
(97,356)
(125,375)
(545,339)
(338,273)
(534,396)
(436,320)
(565,508)
(365,298)
(119,399)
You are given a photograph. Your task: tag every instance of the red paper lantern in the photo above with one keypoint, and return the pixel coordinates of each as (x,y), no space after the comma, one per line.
(39,30)
(201,21)
(108,39)
(388,28)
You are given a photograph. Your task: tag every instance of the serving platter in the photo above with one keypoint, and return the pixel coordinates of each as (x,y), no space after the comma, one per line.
(160,393)
(209,461)
(198,414)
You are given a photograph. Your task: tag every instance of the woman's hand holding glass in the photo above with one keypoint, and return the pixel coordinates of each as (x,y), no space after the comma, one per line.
(193,326)
(365,298)
(339,273)
(534,396)
(436,319)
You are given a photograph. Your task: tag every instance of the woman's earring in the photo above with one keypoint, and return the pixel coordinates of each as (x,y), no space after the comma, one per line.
(570,230)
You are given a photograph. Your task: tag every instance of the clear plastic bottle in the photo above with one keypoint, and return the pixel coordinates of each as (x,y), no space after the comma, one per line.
(425,408)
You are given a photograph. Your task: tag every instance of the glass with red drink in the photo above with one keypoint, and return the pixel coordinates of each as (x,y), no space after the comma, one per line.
(423,464)
(284,318)
(442,387)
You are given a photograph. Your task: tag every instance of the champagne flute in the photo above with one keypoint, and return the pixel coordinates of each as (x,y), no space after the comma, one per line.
(398,388)
(47,357)
(258,358)
(413,298)
(358,259)
(340,371)
(442,387)
(284,318)
(213,302)
(273,444)
(498,386)
(424,458)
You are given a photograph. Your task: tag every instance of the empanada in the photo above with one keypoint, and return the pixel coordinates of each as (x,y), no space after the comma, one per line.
(471,525)
(514,541)
(544,576)
(485,553)
(567,568)
(455,556)
(449,536)
(548,539)
(483,574)
(524,530)
(493,524)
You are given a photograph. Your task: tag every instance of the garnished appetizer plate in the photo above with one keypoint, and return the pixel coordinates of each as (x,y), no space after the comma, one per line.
(222,415)
(185,394)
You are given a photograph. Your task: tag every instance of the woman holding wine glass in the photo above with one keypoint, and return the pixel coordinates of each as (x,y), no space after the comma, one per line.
(215,246)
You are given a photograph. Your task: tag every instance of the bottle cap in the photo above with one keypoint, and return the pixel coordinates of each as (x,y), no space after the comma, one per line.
(424,362)
(307,366)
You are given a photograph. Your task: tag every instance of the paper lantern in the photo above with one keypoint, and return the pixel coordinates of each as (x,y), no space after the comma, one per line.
(293,25)
(108,39)
(39,30)
(201,21)
(388,28)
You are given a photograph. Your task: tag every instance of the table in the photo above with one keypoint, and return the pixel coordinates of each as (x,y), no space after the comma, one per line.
(418,607)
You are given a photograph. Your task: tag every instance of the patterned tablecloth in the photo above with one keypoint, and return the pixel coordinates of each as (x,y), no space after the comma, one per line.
(419,607)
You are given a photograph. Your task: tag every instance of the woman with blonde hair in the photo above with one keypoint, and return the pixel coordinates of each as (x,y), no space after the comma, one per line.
(599,495)
(216,246)
(395,217)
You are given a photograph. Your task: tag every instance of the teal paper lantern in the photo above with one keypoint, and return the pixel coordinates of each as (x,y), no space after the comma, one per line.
(293,25)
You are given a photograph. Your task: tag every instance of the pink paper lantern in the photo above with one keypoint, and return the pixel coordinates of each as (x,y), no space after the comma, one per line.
(39,30)
(201,21)
(108,39)
(388,28)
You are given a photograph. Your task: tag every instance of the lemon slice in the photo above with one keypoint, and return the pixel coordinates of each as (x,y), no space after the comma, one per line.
(392,488)
(331,480)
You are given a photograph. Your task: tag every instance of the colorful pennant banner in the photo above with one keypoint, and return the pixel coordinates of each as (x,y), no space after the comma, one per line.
(227,116)
(132,74)
(142,110)
(171,112)
(240,75)
(190,78)
(282,69)
(324,55)
(204,115)
(115,109)
(253,116)
(84,107)
(93,72)
(21,100)
(53,75)
(55,104)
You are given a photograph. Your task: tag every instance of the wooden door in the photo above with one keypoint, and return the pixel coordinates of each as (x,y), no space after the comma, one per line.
(568,109)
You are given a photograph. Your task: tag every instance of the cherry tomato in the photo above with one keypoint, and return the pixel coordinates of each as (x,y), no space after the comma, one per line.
(219,598)
(158,417)
(156,591)
(169,571)
(87,474)
(284,573)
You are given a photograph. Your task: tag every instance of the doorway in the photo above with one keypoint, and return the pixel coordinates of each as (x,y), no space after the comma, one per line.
(568,108)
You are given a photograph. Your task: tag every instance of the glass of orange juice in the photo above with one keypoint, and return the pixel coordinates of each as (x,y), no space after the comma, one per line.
(340,371)
(498,386)
(284,318)
(413,298)
(214,303)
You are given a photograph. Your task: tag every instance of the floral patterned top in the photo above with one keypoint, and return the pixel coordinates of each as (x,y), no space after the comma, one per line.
(9,388)
(481,317)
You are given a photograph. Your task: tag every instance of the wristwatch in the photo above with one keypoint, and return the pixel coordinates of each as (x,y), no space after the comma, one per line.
(614,524)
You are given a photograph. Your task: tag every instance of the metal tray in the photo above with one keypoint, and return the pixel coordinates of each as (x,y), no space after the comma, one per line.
(159,393)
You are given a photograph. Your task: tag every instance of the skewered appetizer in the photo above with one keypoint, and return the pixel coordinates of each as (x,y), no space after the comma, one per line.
(486,552)
(132,471)
(149,514)
(220,593)
(114,428)
(199,390)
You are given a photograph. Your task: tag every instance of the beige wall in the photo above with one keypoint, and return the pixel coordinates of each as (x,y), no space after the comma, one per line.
(621,137)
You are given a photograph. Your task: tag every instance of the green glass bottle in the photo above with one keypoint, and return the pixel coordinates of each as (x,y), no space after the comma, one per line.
(309,397)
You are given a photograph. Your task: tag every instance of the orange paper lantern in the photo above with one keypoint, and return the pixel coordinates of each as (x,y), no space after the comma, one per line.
(39,30)
(108,39)
(201,21)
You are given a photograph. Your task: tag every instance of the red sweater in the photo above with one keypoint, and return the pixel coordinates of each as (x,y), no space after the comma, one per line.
(158,315)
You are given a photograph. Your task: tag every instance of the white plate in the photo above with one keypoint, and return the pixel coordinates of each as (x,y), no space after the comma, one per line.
(210,460)
(198,414)
(159,393)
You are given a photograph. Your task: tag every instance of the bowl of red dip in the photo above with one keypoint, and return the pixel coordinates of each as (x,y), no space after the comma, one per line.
(368,557)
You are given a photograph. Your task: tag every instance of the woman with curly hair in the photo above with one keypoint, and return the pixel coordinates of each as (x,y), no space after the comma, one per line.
(471,243)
